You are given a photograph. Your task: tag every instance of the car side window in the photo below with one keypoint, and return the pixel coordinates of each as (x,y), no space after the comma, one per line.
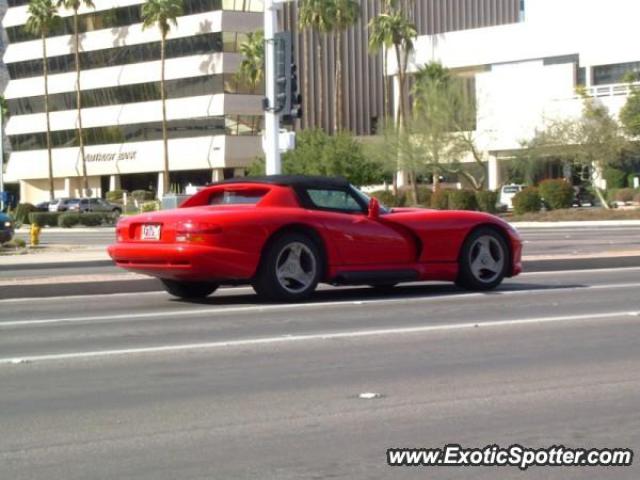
(334,200)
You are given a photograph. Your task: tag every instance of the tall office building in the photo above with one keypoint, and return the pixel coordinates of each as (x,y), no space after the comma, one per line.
(213,120)
(214,123)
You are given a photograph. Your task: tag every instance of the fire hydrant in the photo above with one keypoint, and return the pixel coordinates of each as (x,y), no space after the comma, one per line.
(35,234)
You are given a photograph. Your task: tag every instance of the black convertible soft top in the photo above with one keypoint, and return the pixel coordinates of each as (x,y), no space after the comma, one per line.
(303,181)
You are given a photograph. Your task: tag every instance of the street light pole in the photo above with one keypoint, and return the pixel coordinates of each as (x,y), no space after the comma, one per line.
(271,116)
(1,163)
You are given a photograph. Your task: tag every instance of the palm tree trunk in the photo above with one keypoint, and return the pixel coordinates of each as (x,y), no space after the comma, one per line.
(306,104)
(85,179)
(319,78)
(401,85)
(45,69)
(385,85)
(337,115)
(165,141)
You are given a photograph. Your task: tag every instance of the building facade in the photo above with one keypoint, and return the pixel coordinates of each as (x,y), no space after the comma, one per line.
(527,71)
(362,73)
(214,122)
(213,119)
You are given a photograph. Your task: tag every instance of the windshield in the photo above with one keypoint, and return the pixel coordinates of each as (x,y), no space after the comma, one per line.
(515,189)
(366,198)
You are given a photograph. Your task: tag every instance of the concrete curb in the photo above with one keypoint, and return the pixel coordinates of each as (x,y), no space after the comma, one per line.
(586,223)
(46,230)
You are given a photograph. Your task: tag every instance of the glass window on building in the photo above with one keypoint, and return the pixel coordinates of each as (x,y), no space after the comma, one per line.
(608,74)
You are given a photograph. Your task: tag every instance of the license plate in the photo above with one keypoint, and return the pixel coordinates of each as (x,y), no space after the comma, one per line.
(150,232)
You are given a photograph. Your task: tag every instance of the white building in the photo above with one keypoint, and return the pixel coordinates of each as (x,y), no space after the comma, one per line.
(526,73)
(213,122)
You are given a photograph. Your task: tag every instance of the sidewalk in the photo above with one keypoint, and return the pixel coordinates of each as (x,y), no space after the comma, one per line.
(57,254)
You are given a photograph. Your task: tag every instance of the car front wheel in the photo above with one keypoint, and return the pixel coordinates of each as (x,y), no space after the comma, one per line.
(290,269)
(484,260)
(189,290)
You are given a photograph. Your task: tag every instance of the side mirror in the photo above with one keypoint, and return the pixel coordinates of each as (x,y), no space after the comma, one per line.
(374,208)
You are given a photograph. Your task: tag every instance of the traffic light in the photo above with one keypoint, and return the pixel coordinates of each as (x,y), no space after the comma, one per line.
(283,72)
(295,110)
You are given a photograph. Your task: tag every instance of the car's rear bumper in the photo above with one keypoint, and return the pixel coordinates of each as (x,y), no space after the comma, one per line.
(184,261)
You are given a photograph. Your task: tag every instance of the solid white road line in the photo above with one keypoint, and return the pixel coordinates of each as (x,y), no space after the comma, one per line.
(283,339)
(248,289)
(301,306)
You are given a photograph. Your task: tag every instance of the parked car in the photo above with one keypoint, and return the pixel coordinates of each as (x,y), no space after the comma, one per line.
(60,204)
(507,192)
(6,228)
(285,234)
(583,197)
(42,206)
(95,205)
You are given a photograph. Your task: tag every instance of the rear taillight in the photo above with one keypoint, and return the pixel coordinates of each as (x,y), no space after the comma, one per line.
(122,232)
(196,232)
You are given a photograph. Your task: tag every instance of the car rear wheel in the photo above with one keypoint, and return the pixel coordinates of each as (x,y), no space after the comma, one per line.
(189,290)
(483,261)
(290,269)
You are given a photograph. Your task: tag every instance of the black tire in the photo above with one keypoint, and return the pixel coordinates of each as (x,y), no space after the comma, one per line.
(116,212)
(482,268)
(278,255)
(189,290)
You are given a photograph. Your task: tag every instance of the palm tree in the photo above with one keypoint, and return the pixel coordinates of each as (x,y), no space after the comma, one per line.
(252,67)
(391,29)
(345,15)
(317,16)
(43,17)
(163,14)
(75,6)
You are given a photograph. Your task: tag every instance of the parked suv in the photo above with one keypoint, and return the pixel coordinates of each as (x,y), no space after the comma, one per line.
(60,204)
(6,228)
(507,192)
(95,205)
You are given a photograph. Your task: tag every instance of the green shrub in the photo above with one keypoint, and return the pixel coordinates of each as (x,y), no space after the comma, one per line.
(149,207)
(625,195)
(615,178)
(115,196)
(68,220)
(15,243)
(92,219)
(142,195)
(462,200)
(487,201)
(527,200)
(22,213)
(42,219)
(557,193)
(440,199)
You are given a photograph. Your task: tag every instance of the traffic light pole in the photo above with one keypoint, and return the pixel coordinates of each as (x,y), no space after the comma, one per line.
(271,116)
(2,194)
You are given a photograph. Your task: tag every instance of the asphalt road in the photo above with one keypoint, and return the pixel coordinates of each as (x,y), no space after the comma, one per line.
(538,241)
(142,386)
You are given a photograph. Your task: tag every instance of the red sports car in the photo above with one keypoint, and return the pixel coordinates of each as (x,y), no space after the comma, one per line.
(285,234)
